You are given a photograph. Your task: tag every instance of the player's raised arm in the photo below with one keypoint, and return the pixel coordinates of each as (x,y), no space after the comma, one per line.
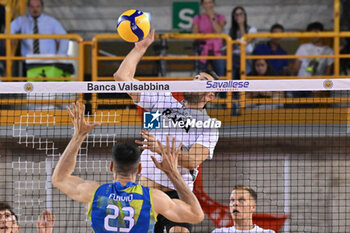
(187,209)
(127,68)
(62,178)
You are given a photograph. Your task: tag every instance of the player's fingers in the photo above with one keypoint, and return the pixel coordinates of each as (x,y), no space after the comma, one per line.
(178,149)
(38,222)
(161,148)
(173,146)
(53,219)
(78,110)
(70,113)
(145,136)
(141,142)
(96,124)
(73,108)
(167,144)
(48,215)
(144,131)
(44,216)
(155,161)
(152,33)
(142,147)
(82,111)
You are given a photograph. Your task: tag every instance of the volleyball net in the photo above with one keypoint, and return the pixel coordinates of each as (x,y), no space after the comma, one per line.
(286,139)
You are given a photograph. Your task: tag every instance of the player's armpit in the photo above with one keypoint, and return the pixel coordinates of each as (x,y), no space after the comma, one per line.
(194,157)
(118,77)
(76,188)
(175,209)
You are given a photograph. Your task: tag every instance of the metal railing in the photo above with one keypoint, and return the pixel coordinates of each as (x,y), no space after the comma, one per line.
(96,58)
(336,57)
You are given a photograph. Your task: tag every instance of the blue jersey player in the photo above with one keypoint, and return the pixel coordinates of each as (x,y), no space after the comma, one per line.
(123,206)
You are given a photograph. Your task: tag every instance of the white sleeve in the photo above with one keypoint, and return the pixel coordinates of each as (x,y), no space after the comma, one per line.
(209,139)
(148,100)
(215,231)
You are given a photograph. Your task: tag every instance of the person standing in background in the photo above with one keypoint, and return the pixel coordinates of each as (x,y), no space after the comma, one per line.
(210,22)
(239,27)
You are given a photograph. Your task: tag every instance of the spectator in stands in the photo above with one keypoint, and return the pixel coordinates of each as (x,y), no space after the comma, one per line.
(239,27)
(305,67)
(262,67)
(273,47)
(9,220)
(38,22)
(210,22)
(242,206)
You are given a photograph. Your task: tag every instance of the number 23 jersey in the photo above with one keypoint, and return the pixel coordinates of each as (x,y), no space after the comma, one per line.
(117,208)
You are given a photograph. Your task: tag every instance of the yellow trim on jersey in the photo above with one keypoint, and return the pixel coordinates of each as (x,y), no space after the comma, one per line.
(153,211)
(134,189)
(90,203)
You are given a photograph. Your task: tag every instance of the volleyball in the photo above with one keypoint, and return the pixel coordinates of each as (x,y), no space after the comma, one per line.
(133,25)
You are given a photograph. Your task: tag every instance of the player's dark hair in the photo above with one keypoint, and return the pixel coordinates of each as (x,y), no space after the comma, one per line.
(211,73)
(276,26)
(315,26)
(251,191)
(5,206)
(126,158)
(41,1)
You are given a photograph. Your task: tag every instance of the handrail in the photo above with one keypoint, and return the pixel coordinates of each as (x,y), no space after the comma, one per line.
(335,34)
(9,57)
(336,55)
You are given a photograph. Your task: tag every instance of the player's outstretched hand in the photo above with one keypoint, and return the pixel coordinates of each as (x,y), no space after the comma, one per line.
(150,143)
(45,222)
(147,41)
(170,156)
(81,127)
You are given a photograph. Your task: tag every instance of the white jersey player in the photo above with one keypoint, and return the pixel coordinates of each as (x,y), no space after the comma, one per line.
(180,120)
